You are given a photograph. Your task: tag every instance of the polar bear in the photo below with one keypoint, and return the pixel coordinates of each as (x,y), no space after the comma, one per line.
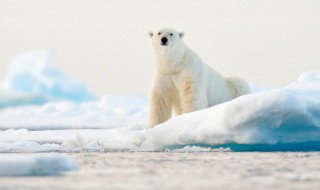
(182,82)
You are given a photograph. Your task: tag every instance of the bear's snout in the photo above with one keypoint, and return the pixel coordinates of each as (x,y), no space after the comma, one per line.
(164,41)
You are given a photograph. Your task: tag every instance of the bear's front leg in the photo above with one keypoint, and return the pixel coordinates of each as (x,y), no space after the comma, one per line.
(160,107)
(192,99)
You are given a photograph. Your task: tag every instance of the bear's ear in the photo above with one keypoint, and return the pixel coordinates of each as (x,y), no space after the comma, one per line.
(181,34)
(150,34)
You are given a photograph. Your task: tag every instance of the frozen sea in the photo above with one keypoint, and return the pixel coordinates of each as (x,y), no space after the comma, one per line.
(55,134)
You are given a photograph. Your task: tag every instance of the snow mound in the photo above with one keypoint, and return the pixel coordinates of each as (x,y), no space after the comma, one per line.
(282,116)
(286,119)
(35,165)
(33,79)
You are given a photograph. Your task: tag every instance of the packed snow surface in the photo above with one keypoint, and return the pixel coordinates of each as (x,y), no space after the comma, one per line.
(277,119)
(176,170)
(35,165)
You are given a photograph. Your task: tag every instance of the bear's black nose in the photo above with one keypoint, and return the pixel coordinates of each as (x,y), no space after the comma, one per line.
(164,40)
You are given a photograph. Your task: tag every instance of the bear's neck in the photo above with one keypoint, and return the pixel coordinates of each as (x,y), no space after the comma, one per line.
(170,62)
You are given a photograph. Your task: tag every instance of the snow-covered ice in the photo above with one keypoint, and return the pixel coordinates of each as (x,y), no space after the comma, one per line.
(287,115)
(35,165)
(280,119)
(276,119)
(108,112)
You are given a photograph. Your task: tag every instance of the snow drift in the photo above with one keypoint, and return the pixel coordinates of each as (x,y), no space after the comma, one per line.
(35,165)
(284,116)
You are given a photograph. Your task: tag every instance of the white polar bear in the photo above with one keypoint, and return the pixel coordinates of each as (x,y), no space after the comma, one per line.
(182,82)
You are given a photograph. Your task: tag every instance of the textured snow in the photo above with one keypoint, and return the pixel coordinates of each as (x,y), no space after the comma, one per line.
(35,165)
(191,149)
(180,170)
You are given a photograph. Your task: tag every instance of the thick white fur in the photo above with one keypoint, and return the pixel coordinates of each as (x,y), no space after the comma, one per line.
(183,83)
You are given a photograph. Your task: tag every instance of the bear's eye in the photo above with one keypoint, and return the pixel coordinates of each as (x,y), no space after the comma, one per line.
(159,33)
(171,34)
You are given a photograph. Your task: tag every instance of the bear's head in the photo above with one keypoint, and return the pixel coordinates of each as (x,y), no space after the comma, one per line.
(166,39)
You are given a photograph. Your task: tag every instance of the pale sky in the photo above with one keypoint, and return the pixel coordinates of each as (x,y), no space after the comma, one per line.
(105,43)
